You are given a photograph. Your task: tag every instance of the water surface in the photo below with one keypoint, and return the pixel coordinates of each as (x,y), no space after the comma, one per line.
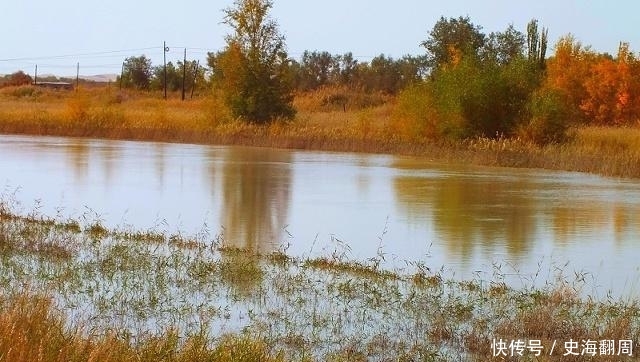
(470,222)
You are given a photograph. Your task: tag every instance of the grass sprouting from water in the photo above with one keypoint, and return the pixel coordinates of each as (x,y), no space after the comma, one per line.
(76,292)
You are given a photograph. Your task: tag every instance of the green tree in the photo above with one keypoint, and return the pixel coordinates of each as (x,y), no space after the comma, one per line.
(195,74)
(137,72)
(548,115)
(317,69)
(537,43)
(383,75)
(174,78)
(413,69)
(504,47)
(451,38)
(253,69)
(494,102)
(348,66)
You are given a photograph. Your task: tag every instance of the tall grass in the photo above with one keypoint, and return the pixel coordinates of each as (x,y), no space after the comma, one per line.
(32,330)
(371,123)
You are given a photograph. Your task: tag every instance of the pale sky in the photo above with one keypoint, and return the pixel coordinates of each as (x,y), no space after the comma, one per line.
(57,35)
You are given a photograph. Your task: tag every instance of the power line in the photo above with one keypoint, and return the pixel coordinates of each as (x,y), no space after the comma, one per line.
(112,53)
(75,55)
(84,65)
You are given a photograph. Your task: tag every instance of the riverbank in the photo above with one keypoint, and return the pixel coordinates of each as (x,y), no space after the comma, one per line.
(74,290)
(369,125)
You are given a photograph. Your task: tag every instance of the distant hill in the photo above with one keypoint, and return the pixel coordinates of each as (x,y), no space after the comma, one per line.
(98,78)
(47,77)
(102,78)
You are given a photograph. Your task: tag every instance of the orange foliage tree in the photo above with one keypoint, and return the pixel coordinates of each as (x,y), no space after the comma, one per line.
(566,72)
(612,90)
(597,88)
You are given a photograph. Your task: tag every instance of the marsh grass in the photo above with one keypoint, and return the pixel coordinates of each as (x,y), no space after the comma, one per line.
(371,123)
(121,295)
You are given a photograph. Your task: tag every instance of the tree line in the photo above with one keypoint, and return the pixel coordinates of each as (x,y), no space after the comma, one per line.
(466,84)
(314,70)
(503,84)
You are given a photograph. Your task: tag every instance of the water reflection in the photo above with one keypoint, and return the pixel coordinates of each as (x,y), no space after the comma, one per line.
(461,217)
(255,197)
(109,156)
(78,158)
(470,213)
(626,223)
(159,162)
(517,211)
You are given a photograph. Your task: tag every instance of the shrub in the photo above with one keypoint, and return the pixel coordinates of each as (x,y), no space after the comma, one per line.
(483,99)
(548,118)
(414,116)
(448,88)
(25,92)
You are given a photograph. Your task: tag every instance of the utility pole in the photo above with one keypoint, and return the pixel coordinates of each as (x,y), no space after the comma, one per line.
(165,49)
(77,76)
(121,74)
(184,72)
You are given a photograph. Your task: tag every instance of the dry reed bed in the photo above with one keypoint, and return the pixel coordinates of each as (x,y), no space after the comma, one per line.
(76,291)
(368,125)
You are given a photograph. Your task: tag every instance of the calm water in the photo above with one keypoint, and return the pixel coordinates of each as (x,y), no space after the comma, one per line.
(471,222)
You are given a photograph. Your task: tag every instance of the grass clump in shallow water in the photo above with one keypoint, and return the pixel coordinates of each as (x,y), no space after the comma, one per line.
(122,295)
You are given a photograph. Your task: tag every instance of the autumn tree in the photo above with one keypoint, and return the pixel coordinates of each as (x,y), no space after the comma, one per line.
(481,86)
(566,72)
(252,70)
(612,89)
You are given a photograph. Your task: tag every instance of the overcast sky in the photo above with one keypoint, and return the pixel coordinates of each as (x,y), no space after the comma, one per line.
(99,34)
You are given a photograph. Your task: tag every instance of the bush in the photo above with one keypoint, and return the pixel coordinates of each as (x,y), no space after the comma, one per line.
(414,116)
(450,85)
(476,99)
(548,118)
(498,96)
(25,92)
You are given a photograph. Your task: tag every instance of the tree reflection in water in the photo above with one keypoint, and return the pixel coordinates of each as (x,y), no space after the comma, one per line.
(255,198)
